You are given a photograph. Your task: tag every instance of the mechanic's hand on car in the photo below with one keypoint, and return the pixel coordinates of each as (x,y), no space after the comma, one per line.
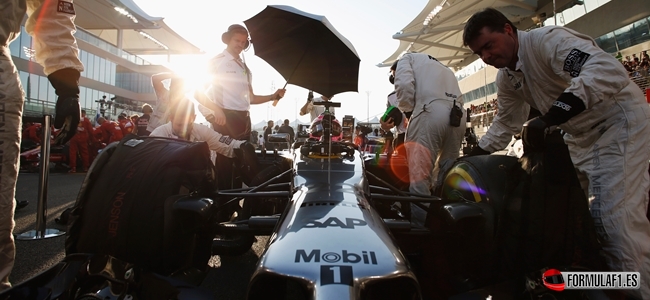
(477,151)
(533,134)
(562,110)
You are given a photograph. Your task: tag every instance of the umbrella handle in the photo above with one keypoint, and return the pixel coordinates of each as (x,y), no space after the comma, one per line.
(275,101)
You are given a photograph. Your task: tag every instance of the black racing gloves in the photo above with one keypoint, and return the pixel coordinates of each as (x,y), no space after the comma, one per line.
(533,133)
(67,112)
(564,108)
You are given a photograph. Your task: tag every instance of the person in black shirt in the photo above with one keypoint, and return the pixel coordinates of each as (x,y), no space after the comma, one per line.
(267,131)
(143,121)
(285,128)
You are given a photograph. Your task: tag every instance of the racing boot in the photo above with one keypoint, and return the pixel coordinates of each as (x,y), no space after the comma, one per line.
(67,111)
(21,204)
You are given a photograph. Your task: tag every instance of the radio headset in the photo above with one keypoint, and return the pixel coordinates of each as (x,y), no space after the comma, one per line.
(232,29)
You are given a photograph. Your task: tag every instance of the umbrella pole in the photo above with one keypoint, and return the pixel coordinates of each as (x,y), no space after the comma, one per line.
(275,101)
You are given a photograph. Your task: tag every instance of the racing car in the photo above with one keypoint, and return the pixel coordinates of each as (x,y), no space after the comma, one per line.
(30,159)
(339,223)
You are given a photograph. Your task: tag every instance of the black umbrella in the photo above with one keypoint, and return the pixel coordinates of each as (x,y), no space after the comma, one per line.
(305,49)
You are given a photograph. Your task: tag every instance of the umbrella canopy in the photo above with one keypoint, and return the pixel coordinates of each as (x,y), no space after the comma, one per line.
(305,49)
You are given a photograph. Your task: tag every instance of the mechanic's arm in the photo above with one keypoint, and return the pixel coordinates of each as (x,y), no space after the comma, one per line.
(309,105)
(212,112)
(156,81)
(222,144)
(405,84)
(513,112)
(89,128)
(594,75)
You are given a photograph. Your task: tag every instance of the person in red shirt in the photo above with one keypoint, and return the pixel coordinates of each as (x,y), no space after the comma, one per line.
(33,133)
(79,143)
(111,130)
(126,124)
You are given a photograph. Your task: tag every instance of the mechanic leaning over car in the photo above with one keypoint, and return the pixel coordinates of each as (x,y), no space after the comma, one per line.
(51,25)
(428,89)
(588,94)
(182,126)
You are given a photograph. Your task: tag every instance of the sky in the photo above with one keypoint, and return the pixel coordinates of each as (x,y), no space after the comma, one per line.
(368,24)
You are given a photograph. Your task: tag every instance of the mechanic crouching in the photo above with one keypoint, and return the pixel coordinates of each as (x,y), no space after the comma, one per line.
(588,94)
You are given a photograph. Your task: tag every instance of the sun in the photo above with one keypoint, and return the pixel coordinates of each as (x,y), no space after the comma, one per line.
(193,70)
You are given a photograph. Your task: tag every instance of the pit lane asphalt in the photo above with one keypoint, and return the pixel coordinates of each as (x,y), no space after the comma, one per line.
(227,279)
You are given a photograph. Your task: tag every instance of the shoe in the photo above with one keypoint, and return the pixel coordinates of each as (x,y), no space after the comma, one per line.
(72,171)
(85,170)
(21,204)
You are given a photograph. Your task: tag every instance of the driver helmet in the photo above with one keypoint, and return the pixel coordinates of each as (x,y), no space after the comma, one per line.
(326,120)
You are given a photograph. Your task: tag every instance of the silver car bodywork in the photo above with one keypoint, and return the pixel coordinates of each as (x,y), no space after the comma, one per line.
(330,241)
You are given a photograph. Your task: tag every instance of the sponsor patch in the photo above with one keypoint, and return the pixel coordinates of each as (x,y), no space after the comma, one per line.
(562,105)
(226,139)
(65,7)
(133,142)
(574,62)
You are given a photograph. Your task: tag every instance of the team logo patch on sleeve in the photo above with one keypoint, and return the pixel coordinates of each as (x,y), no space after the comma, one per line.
(574,62)
(65,7)
(226,139)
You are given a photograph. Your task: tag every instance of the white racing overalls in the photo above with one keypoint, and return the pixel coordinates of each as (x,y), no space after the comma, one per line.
(217,142)
(51,24)
(609,142)
(428,88)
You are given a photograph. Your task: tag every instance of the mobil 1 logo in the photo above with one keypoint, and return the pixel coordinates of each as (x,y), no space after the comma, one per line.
(336,275)
(315,255)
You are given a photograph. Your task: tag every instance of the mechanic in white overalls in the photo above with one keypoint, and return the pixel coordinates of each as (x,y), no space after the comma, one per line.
(181,126)
(587,92)
(51,25)
(428,88)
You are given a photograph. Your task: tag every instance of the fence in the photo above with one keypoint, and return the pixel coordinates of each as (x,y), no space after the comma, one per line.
(483,119)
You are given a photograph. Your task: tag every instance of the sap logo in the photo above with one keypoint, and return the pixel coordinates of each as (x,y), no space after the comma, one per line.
(366,257)
(335,222)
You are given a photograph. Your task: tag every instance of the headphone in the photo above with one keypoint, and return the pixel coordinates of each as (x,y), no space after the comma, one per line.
(232,29)
(393,67)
